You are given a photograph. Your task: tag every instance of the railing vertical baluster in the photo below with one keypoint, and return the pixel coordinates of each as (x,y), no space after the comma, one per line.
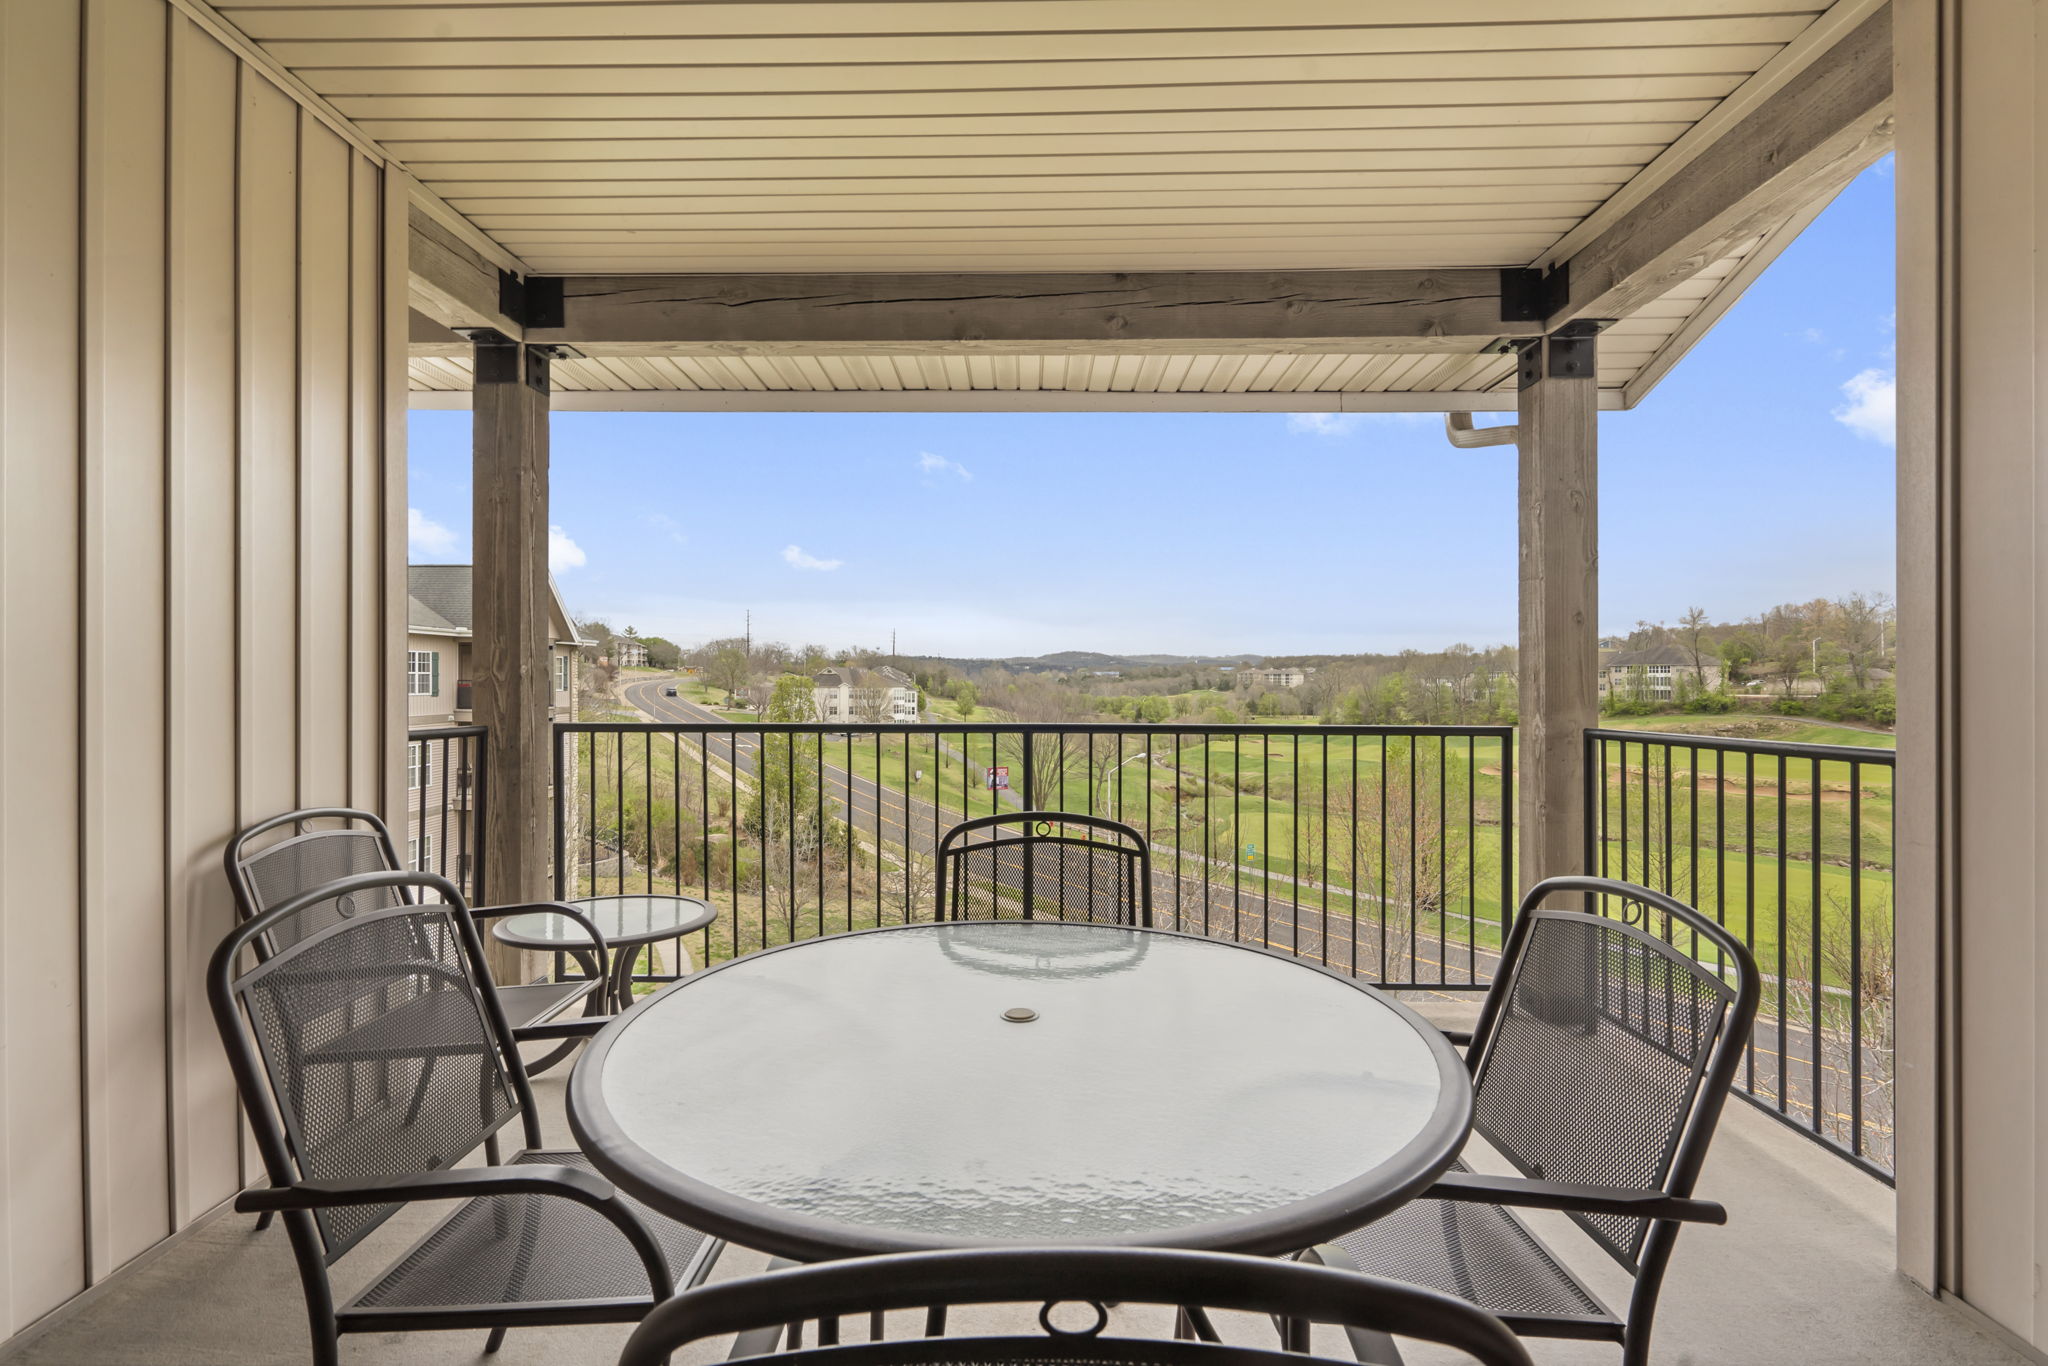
(1784,931)
(1238,807)
(1208,830)
(1351,868)
(1816,1033)
(1385,902)
(851,862)
(1856,1144)
(1443,869)
(1749,890)
(1294,842)
(1414,865)
(1508,882)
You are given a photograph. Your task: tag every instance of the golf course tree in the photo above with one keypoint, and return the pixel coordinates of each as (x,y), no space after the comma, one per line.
(728,669)
(785,806)
(801,842)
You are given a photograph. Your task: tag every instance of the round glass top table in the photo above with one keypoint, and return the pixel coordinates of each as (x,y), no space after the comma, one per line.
(627,923)
(938,1086)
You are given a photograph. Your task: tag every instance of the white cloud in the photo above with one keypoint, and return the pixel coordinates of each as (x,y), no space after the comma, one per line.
(1343,424)
(796,559)
(934,465)
(1872,409)
(668,525)
(425,536)
(1325,424)
(563,553)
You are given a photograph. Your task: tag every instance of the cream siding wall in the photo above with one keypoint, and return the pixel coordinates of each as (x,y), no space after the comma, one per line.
(201,506)
(1972,874)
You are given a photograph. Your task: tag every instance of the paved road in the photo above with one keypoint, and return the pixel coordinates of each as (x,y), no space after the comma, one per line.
(1233,903)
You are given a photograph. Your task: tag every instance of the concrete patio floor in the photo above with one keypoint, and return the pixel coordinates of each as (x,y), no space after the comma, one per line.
(1801,1274)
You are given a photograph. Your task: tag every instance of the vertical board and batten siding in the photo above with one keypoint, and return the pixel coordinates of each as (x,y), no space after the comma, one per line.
(202,592)
(1973,657)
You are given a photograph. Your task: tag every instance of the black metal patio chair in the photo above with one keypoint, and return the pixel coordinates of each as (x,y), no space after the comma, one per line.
(332,842)
(373,1054)
(1045,865)
(1073,1284)
(1600,1065)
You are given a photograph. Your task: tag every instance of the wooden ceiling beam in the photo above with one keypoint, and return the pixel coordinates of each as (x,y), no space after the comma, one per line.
(1800,147)
(1207,311)
(454,284)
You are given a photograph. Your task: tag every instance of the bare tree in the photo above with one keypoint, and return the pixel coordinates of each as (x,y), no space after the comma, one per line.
(1861,622)
(1692,638)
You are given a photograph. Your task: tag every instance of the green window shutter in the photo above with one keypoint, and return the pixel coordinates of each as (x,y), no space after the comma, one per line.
(437,673)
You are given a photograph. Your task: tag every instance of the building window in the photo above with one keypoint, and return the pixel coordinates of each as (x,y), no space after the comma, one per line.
(420,854)
(561,673)
(423,673)
(420,765)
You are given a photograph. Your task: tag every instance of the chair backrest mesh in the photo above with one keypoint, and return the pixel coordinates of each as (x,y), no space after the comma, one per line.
(374,1038)
(1041,869)
(287,869)
(1595,1060)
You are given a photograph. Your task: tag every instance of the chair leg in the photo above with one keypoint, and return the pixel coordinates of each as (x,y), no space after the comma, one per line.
(263,1220)
(494,1341)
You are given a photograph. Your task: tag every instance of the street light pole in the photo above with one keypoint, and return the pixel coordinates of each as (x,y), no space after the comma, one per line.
(1112,773)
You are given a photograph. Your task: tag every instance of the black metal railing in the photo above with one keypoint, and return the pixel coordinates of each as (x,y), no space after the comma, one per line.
(444,814)
(1789,846)
(1386,852)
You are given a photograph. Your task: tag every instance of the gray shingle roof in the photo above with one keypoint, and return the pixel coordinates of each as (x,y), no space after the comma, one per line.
(439,599)
(420,617)
(443,589)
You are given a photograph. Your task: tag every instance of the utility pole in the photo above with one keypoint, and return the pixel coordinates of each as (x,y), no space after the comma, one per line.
(750,635)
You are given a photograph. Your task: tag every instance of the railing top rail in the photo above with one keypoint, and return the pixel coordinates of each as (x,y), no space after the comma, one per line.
(1016,727)
(447,732)
(1778,748)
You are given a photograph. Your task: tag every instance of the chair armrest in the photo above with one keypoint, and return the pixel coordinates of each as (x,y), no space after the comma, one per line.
(582,1027)
(1525,1193)
(456,1183)
(1460,1037)
(464,1183)
(597,943)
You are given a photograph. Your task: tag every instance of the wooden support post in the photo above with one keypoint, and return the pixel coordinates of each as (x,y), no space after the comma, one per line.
(509,653)
(1560,599)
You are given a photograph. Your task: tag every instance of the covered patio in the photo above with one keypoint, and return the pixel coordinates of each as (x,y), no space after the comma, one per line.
(241,240)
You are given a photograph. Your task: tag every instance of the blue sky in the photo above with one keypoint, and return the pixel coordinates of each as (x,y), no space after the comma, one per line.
(1759,471)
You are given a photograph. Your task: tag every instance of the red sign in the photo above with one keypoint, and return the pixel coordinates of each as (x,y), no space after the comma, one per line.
(999,778)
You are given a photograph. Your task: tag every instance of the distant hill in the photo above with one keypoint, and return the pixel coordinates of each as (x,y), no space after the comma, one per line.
(1066,661)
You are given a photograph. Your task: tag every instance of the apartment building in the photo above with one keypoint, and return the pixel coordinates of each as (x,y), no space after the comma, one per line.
(1661,666)
(437,673)
(850,694)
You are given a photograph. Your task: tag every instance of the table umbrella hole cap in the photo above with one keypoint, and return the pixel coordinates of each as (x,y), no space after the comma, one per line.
(1020,1014)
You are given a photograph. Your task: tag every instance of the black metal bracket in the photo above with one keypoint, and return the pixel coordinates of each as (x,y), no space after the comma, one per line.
(1530,296)
(1571,352)
(534,301)
(500,360)
(543,301)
